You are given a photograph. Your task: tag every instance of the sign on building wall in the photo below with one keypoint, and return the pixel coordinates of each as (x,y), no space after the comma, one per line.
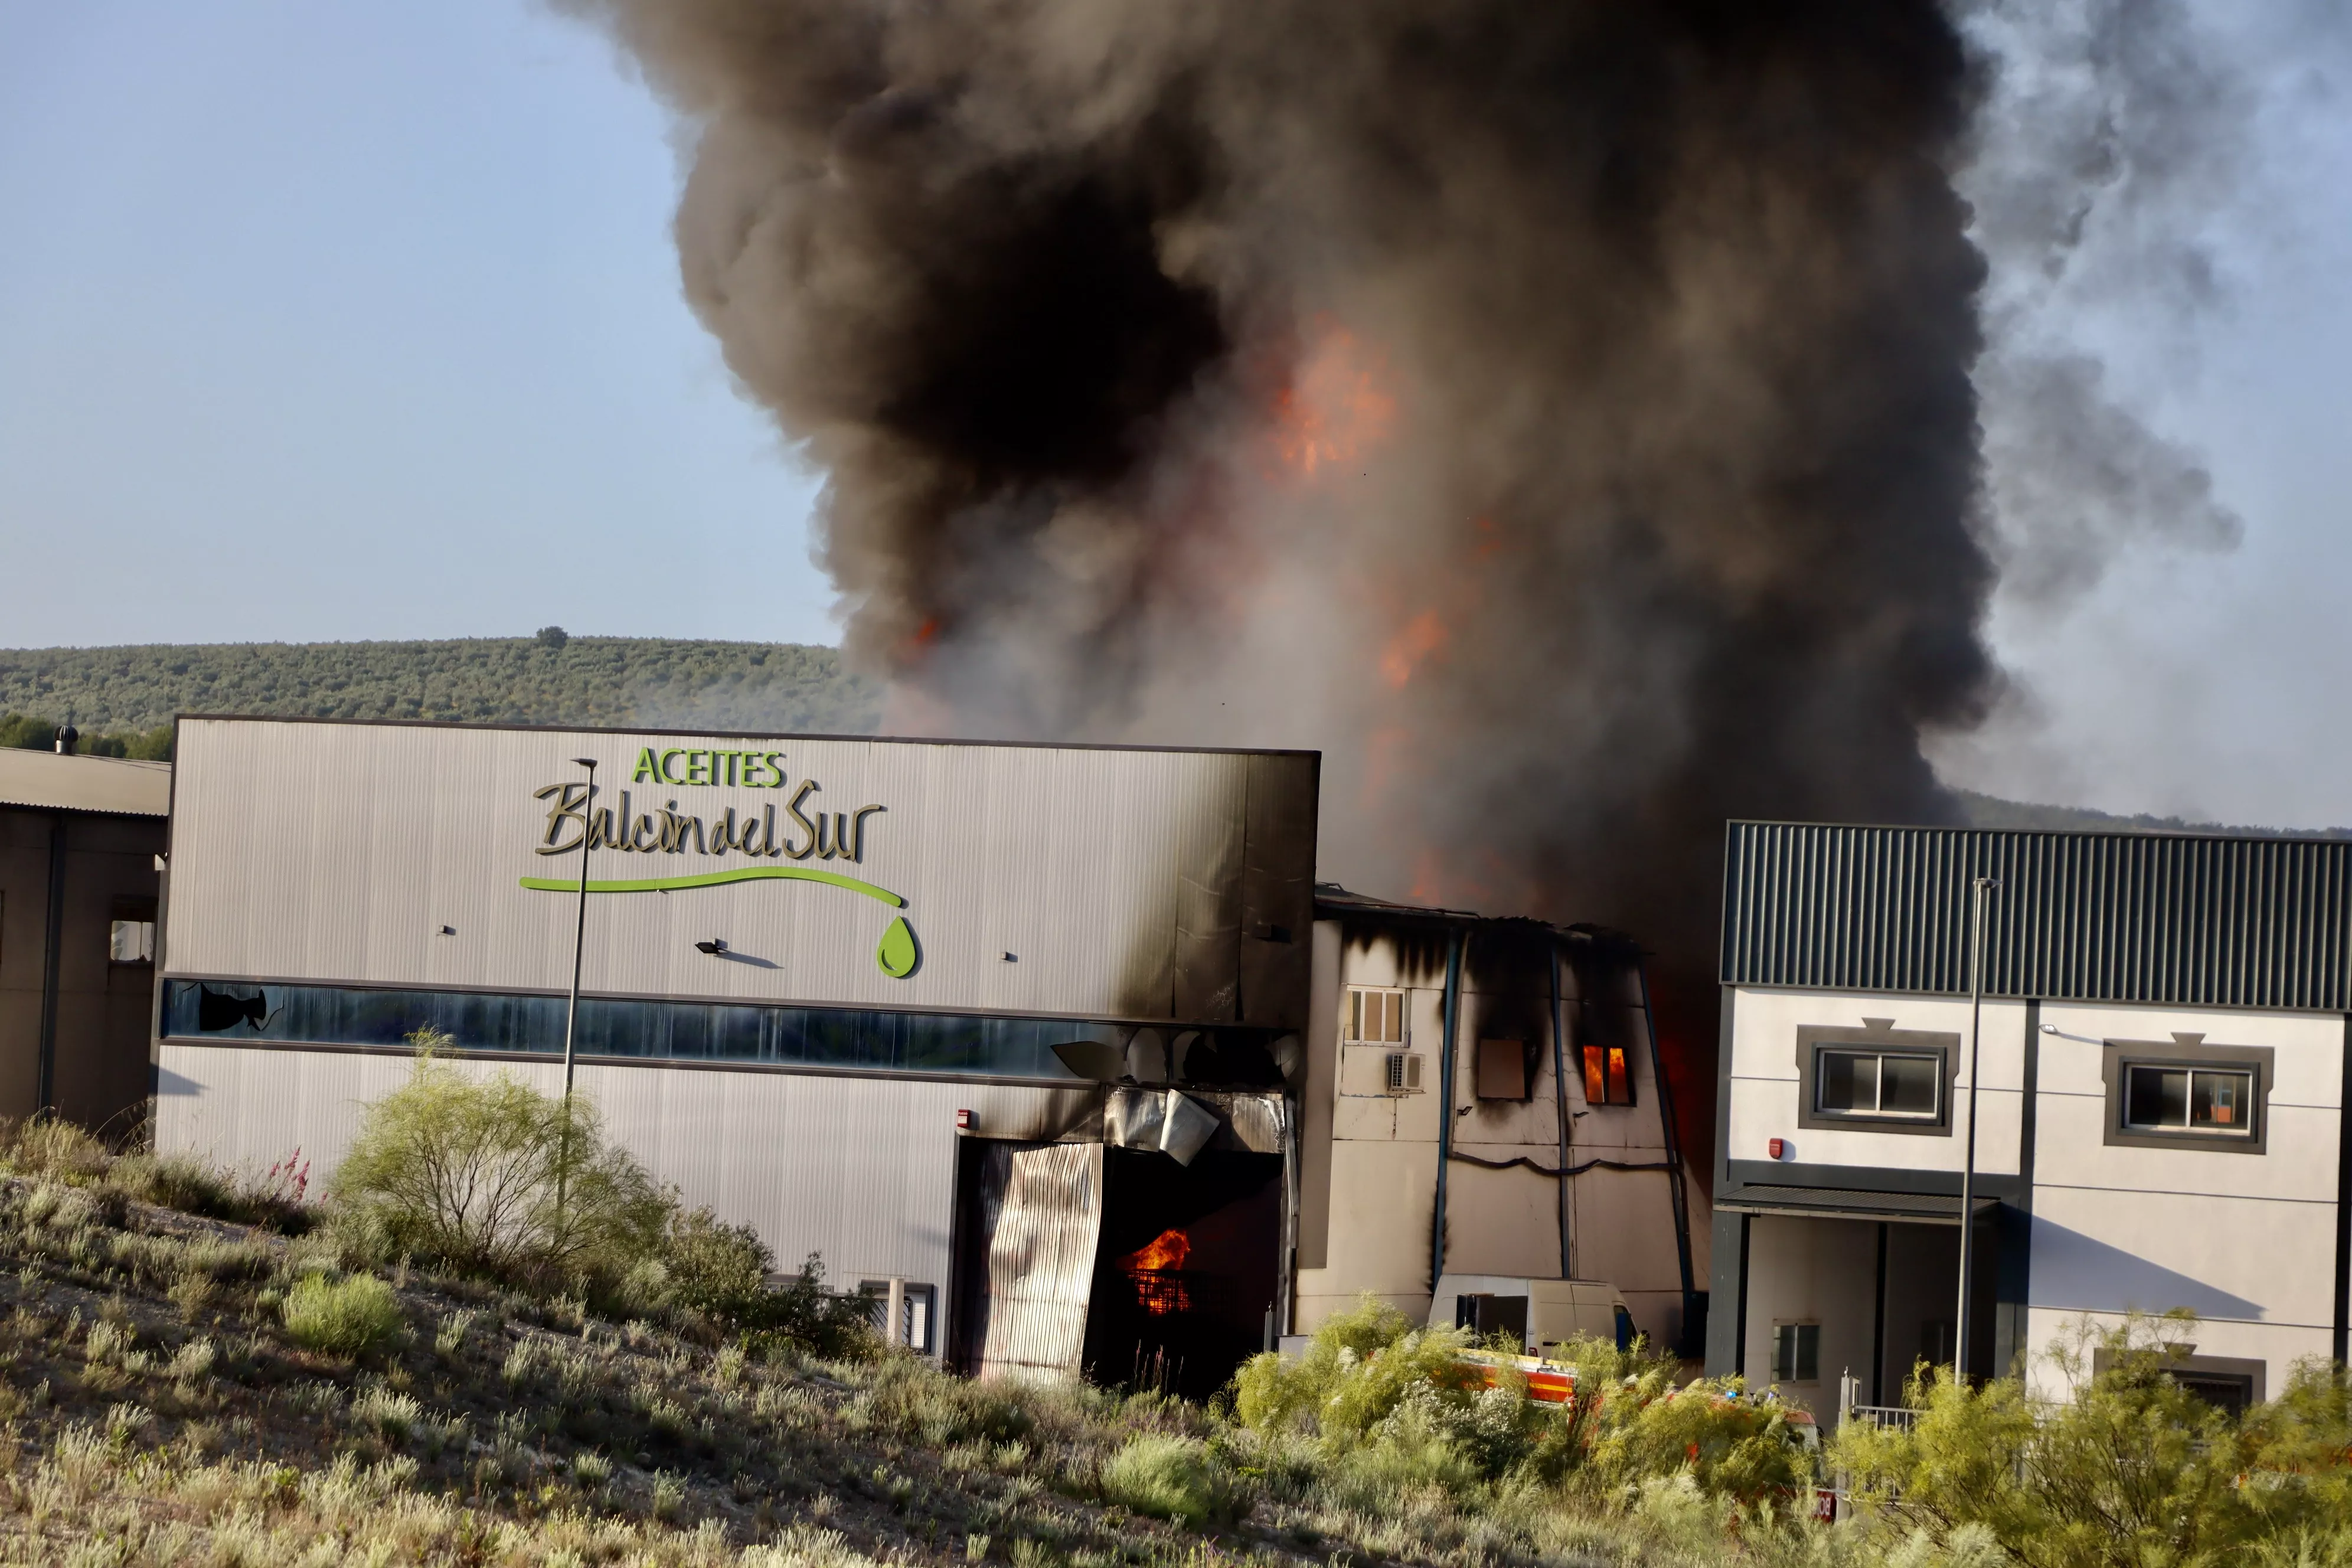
(1103,883)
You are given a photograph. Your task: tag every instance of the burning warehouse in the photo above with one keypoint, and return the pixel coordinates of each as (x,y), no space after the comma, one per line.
(1057,1051)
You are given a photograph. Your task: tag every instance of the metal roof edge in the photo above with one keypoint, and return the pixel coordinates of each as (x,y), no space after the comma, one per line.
(491,726)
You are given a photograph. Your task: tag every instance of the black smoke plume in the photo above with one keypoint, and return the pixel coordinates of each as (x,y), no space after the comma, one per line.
(1559,415)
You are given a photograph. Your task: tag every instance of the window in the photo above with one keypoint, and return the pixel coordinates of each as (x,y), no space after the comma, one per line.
(923,1044)
(1607,1080)
(1876,1078)
(131,939)
(913,1328)
(1877,1083)
(2217,1101)
(1502,1070)
(1375,1017)
(1797,1353)
(2186,1094)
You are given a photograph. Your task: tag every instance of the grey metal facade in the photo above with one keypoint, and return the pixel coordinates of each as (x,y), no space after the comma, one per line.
(2118,916)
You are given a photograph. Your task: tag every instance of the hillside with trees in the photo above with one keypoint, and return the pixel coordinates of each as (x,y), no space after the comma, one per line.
(123,699)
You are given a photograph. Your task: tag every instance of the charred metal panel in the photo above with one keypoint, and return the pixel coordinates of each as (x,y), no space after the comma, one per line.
(1039,1225)
(1278,891)
(1205,966)
(2118,916)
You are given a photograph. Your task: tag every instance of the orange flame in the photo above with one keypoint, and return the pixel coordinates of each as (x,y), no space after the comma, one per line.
(1422,635)
(1168,1249)
(1337,408)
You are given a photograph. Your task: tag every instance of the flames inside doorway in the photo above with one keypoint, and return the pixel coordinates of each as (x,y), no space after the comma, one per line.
(1188,1268)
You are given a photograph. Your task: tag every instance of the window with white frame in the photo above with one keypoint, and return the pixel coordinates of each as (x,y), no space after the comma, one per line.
(1375,1016)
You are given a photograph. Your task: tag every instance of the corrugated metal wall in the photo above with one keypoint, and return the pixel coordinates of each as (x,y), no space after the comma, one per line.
(859,1170)
(1041,1211)
(2223,922)
(1090,882)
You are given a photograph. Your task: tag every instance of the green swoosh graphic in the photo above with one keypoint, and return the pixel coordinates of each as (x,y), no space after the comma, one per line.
(713,879)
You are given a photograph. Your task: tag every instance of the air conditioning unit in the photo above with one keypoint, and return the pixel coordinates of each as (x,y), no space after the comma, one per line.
(1404,1072)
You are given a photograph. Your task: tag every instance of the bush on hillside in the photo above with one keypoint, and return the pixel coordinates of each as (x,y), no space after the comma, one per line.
(724,1272)
(1169,1477)
(488,1176)
(346,1317)
(1392,1402)
(2133,1469)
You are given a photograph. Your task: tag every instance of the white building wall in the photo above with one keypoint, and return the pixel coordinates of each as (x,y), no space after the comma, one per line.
(2246,1241)
(753,1146)
(1812,1271)
(1072,881)
(1764,1101)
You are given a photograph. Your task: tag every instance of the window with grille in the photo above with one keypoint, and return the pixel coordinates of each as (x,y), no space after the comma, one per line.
(1375,1016)
(1608,1076)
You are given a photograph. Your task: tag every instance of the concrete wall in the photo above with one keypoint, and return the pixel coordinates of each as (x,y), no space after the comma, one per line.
(103,1007)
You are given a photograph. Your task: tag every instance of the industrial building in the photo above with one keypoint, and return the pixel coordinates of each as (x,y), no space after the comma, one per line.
(79,838)
(2160,1102)
(1554,1156)
(1059,1048)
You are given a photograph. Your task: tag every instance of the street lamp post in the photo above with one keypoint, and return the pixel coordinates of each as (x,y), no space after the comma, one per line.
(1984,888)
(571,1011)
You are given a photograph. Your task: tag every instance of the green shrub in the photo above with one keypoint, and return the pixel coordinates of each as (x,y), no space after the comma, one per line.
(348,1317)
(1168,1478)
(2132,1469)
(722,1272)
(1360,1365)
(488,1176)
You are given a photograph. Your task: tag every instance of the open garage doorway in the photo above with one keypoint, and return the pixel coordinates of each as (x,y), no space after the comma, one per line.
(1189,1268)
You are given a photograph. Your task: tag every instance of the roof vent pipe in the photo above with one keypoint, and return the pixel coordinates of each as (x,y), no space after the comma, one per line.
(66,736)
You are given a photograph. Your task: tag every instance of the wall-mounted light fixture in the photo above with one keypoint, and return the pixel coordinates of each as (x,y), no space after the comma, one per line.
(714,947)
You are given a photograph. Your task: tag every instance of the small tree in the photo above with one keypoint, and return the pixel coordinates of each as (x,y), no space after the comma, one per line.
(467,1172)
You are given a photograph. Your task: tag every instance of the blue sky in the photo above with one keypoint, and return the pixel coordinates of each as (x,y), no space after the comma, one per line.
(343,321)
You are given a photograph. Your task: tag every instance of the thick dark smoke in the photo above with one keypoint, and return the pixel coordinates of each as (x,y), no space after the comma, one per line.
(1559,415)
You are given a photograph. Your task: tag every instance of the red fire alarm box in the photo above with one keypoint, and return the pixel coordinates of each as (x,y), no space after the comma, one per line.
(1778,1146)
(969,1122)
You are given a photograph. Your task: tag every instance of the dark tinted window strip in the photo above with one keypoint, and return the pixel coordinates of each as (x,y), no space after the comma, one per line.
(924,1044)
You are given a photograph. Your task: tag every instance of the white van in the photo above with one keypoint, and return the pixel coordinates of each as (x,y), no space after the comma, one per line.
(1541,1312)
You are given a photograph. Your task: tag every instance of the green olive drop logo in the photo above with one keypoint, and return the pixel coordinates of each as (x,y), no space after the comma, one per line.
(749,831)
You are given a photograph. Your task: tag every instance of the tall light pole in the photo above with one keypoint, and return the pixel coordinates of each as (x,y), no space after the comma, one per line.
(571,1011)
(1984,886)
